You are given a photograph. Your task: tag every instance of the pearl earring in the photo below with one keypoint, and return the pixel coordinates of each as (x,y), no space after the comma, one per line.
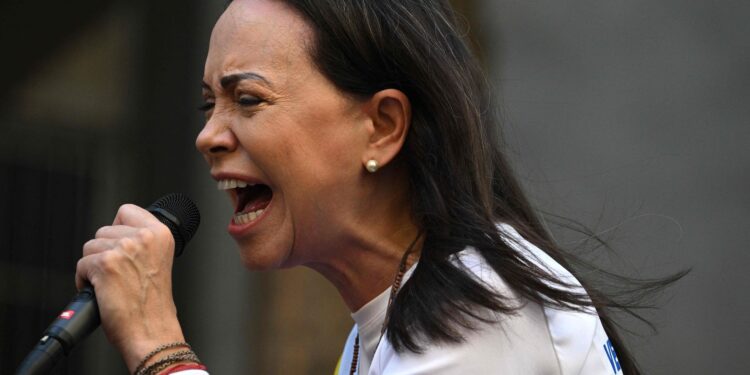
(372,166)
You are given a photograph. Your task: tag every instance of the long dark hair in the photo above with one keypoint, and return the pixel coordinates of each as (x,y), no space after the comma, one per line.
(460,181)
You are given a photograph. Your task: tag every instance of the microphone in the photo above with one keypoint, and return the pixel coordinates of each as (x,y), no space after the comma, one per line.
(81,316)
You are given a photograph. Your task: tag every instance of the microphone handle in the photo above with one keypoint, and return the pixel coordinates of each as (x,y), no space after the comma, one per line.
(77,321)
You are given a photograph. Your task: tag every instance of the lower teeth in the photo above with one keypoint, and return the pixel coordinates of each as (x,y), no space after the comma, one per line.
(247,217)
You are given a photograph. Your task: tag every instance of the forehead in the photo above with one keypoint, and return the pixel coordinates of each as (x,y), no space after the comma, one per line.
(263,36)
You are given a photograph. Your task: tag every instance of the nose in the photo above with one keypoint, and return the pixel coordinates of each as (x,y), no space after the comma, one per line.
(215,139)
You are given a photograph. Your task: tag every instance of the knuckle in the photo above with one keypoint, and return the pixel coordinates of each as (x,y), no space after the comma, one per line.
(88,247)
(130,207)
(145,235)
(81,272)
(80,266)
(110,261)
(164,232)
(100,232)
(128,244)
(123,208)
(126,210)
(161,227)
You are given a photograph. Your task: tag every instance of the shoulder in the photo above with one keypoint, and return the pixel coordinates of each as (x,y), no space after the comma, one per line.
(517,344)
(535,340)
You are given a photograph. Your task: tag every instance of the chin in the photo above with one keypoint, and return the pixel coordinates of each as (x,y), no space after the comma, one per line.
(263,258)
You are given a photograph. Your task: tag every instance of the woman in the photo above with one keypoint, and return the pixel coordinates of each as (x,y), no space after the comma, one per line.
(357,138)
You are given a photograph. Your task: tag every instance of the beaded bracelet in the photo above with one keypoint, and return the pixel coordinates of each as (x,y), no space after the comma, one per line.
(184,367)
(181,356)
(158,350)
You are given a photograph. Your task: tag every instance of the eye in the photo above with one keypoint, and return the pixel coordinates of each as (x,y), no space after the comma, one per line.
(249,100)
(207,106)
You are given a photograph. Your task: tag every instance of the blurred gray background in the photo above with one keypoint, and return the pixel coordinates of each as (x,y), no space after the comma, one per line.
(634,118)
(629,117)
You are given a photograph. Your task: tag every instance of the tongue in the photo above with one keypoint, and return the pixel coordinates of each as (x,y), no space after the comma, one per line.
(254,198)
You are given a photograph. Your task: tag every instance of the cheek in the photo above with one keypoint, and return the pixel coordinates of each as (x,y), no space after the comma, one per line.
(313,164)
(326,164)
(321,187)
(314,150)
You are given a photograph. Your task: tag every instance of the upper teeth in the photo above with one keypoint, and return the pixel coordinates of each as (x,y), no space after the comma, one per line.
(231,184)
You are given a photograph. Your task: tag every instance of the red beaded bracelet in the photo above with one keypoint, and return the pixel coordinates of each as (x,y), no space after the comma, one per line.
(187,366)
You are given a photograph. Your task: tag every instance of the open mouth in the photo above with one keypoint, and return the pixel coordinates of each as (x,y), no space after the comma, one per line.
(250,199)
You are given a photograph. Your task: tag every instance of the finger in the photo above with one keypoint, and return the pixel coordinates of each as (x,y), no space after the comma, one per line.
(82,268)
(134,216)
(90,269)
(98,245)
(131,215)
(116,231)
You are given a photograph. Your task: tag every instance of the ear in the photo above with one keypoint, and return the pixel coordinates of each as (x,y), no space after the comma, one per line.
(390,114)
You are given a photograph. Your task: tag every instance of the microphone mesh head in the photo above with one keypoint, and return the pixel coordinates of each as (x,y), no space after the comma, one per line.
(180,215)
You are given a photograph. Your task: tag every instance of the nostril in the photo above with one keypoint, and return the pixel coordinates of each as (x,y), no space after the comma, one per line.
(218,149)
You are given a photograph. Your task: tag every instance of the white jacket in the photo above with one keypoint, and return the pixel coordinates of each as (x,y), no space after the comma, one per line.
(535,340)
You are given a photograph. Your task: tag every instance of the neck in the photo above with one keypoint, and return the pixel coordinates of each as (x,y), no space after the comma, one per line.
(367,257)
(371,266)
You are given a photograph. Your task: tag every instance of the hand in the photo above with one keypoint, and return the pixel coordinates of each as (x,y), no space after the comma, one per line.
(129,264)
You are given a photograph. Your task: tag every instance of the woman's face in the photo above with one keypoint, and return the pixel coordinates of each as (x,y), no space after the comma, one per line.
(275,124)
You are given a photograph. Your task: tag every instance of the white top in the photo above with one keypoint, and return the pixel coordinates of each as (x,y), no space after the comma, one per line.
(536,340)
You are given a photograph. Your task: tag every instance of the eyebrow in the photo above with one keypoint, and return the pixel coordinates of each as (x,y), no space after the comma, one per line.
(233,79)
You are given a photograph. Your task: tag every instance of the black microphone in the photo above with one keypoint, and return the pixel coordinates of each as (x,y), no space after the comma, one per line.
(81,316)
